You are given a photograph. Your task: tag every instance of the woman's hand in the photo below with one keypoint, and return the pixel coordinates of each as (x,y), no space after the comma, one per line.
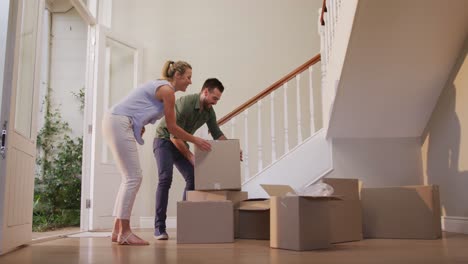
(202,144)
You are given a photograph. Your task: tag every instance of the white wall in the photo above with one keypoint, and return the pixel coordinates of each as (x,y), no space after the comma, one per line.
(248,45)
(378,162)
(68,66)
(445,145)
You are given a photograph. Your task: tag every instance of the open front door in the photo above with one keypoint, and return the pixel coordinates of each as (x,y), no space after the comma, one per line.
(19,88)
(115,74)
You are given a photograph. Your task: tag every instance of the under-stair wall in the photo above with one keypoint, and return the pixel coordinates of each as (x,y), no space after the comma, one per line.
(397,63)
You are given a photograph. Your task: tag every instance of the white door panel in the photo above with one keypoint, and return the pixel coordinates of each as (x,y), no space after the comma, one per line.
(20,99)
(116,74)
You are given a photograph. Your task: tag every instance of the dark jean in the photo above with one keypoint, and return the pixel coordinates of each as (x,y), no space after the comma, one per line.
(167,155)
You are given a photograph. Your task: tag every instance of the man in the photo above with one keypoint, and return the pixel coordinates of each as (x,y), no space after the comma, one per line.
(192,112)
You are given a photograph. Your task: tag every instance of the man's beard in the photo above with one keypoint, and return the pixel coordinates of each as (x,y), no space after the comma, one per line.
(205,104)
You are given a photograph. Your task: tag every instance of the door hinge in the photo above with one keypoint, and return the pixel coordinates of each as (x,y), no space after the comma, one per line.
(90,129)
(88,203)
(3,143)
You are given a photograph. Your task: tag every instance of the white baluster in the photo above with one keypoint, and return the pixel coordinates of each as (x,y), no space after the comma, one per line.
(259,136)
(331,11)
(286,138)
(311,102)
(298,109)
(335,13)
(272,122)
(321,30)
(338,10)
(328,32)
(245,153)
(233,127)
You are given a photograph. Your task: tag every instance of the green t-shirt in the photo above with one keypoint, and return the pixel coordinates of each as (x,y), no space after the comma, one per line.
(190,118)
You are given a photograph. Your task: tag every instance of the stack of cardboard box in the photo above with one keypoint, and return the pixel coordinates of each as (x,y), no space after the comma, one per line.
(217,211)
(208,214)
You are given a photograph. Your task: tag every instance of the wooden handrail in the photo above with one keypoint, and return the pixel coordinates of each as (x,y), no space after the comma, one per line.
(268,90)
(324,9)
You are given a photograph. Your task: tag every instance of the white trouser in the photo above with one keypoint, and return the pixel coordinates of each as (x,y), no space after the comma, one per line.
(118,133)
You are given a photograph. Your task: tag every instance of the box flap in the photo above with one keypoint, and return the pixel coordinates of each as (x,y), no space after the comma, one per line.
(329,198)
(277,190)
(255,205)
(283,190)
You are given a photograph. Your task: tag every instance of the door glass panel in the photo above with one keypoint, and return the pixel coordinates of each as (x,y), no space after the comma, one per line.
(27,55)
(4,9)
(121,79)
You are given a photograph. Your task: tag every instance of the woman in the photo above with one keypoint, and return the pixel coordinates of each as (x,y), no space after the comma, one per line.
(124,125)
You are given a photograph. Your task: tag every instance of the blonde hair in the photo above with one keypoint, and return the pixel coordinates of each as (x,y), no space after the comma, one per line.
(170,68)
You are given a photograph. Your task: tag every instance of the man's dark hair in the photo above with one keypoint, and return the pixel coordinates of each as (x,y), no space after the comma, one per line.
(213,83)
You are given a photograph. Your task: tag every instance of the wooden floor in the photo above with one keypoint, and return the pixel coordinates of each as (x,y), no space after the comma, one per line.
(452,248)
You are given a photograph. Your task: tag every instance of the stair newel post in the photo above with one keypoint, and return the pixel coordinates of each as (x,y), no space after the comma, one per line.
(298,109)
(233,127)
(259,136)
(311,102)
(272,127)
(286,138)
(245,153)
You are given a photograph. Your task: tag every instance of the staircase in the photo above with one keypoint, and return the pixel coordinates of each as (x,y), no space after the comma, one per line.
(365,86)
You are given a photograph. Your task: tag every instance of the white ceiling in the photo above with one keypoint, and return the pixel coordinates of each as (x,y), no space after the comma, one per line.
(399,58)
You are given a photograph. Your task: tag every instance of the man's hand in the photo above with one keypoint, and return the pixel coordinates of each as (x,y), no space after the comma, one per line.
(202,144)
(142,131)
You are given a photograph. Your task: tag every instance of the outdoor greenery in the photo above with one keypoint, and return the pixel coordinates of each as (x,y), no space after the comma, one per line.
(57,191)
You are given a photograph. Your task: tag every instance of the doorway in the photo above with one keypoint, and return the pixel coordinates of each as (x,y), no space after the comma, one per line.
(57,191)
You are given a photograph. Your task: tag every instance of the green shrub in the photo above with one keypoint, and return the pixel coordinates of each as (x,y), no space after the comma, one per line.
(57,190)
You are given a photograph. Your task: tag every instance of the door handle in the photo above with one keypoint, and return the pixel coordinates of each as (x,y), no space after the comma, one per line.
(2,146)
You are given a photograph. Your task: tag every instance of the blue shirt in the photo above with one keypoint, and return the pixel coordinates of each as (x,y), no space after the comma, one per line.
(142,106)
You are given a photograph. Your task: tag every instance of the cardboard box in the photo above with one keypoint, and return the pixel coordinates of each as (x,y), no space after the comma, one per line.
(401,212)
(298,222)
(218,169)
(205,222)
(345,221)
(345,215)
(234,196)
(252,219)
(347,189)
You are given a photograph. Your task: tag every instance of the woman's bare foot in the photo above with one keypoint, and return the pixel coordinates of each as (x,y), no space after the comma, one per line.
(131,239)
(114,237)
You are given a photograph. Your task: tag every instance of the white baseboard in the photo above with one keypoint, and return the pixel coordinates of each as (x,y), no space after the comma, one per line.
(148,222)
(455,224)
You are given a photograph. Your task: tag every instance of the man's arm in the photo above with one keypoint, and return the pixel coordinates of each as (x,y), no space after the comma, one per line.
(182,147)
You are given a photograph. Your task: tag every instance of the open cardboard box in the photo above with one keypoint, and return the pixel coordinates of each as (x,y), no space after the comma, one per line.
(346,214)
(298,222)
(253,219)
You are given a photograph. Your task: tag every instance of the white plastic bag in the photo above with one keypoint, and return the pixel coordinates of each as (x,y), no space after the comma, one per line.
(317,189)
